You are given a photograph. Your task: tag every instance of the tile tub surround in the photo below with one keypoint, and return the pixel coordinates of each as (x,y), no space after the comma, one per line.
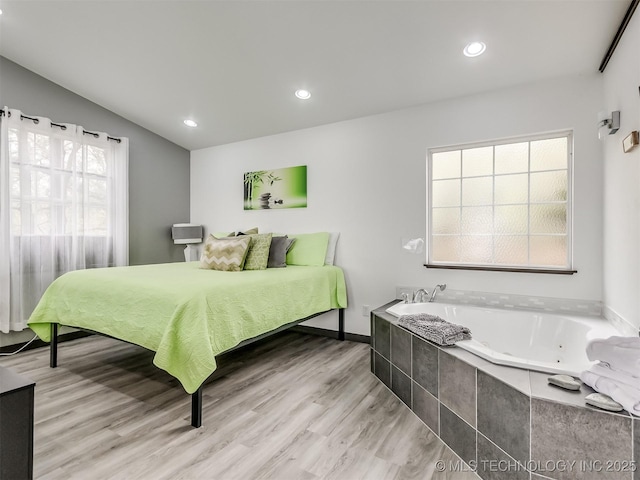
(505,422)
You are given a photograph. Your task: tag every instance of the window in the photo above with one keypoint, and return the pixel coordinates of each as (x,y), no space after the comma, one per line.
(63,207)
(501,205)
(47,190)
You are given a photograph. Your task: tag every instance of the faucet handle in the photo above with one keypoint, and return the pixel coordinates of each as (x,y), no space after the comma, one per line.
(405,297)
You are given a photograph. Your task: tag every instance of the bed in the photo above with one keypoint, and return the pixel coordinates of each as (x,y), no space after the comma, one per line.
(187,315)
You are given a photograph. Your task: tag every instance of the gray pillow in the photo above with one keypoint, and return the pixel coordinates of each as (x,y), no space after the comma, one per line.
(278,251)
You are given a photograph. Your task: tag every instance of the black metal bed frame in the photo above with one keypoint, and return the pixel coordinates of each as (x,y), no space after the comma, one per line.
(196,397)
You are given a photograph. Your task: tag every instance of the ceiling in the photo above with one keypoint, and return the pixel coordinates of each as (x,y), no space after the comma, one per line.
(233,66)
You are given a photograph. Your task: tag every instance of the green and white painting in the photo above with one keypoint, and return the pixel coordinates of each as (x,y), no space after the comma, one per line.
(278,188)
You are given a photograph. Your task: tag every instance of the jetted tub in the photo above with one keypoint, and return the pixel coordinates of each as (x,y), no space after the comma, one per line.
(519,338)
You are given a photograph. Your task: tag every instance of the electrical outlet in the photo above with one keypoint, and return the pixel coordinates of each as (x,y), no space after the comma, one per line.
(366,310)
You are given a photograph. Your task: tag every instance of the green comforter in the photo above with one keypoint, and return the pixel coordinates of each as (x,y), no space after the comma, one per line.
(185,314)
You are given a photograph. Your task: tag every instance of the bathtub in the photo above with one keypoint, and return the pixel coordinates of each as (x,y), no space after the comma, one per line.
(531,340)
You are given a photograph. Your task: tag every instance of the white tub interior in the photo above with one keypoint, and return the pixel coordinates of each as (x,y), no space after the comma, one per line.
(536,341)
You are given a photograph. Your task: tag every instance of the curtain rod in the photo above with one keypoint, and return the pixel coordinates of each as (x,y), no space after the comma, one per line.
(62,127)
(618,36)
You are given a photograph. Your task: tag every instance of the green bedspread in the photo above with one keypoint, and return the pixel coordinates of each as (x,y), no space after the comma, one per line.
(185,314)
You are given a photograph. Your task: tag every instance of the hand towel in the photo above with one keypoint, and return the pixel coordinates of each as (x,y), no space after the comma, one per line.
(625,395)
(621,353)
(435,329)
(604,370)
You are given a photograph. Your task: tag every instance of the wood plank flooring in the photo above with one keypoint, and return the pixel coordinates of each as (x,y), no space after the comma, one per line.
(295,406)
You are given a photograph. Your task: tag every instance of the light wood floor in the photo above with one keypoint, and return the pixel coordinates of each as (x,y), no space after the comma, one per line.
(293,407)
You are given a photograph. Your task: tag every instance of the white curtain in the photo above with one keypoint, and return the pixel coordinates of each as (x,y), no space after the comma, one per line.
(63,207)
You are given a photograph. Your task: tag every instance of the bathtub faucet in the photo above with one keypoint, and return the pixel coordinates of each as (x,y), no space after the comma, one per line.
(435,290)
(418,295)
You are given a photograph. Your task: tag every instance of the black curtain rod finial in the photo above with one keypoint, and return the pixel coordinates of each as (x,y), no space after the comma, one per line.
(96,135)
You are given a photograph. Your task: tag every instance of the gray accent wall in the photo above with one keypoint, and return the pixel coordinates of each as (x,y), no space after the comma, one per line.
(158,169)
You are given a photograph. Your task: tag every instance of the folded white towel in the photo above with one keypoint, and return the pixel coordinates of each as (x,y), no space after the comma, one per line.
(605,370)
(625,395)
(434,328)
(621,353)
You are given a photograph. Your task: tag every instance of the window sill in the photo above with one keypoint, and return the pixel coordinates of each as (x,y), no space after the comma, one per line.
(502,269)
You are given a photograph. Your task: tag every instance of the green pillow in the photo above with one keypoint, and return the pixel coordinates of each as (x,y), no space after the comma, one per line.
(258,254)
(308,249)
(226,254)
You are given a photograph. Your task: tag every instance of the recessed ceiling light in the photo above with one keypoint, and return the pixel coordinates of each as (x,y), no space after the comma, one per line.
(190,123)
(303,94)
(474,49)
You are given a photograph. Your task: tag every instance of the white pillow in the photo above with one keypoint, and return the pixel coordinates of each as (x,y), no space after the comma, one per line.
(331,248)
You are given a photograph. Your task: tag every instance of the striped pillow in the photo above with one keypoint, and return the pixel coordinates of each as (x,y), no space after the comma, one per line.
(226,254)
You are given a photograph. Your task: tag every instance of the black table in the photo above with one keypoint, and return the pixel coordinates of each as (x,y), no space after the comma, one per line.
(16,426)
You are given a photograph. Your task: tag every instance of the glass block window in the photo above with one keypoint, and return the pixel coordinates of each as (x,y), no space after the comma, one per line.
(502,204)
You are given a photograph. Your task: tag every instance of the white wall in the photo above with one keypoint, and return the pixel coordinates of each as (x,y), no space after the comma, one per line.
(366,179)
(622,181)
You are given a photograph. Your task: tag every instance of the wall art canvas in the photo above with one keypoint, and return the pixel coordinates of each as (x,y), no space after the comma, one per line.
(278,188)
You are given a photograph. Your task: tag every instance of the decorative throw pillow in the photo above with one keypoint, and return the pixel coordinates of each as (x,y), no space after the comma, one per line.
(251,231)
(309,249)
(278,251)
(227,254)
(258,254)
(236,234)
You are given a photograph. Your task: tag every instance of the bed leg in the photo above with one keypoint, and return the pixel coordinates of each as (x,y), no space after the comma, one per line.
(53,348)
(341,324)
(196,408)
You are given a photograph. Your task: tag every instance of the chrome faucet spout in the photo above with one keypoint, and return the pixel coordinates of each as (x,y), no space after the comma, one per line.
(418,295)
(435,290)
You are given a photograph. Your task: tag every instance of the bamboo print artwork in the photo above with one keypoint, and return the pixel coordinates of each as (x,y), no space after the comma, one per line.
(279,188)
